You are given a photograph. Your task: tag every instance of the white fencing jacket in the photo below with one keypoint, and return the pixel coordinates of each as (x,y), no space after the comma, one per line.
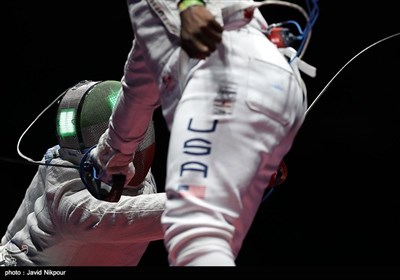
(59,223)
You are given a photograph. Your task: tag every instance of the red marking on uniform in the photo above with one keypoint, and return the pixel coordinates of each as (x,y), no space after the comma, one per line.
(248,13)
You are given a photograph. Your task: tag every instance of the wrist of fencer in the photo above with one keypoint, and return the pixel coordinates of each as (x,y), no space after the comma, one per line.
(118,161)
(117,164)
(108,156)
(184,4)
(111,161)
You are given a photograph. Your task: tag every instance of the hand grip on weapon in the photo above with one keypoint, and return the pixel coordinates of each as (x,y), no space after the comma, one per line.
(109,162)
(105,171)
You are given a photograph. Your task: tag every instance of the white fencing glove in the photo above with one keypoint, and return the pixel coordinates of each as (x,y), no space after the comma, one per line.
(105,172)
(109,162)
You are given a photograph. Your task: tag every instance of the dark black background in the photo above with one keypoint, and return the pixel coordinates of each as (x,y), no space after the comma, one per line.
(339,206)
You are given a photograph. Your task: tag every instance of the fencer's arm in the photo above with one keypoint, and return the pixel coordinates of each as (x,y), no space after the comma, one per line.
(133,219)
(129,120)
(135,105)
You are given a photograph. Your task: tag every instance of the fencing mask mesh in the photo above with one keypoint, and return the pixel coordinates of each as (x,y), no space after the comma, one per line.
(82,117)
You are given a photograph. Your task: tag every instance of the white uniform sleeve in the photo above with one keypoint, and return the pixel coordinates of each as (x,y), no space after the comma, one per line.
(136,104)
(76,213)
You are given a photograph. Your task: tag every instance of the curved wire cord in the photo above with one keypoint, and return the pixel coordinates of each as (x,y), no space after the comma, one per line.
(260,3)
(344,66)
(269,192)
(27,129)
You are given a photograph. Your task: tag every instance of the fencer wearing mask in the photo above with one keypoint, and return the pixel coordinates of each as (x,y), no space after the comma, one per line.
(59,222)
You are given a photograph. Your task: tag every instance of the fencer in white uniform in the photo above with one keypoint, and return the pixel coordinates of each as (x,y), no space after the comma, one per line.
(233,116)
(59,223)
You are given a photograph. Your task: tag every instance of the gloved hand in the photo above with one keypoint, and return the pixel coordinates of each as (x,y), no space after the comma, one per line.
(105,172)
(200,31)
(109,162)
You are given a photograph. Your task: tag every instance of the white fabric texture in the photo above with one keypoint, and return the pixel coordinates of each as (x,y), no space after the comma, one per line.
(61,224)
(232,117)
